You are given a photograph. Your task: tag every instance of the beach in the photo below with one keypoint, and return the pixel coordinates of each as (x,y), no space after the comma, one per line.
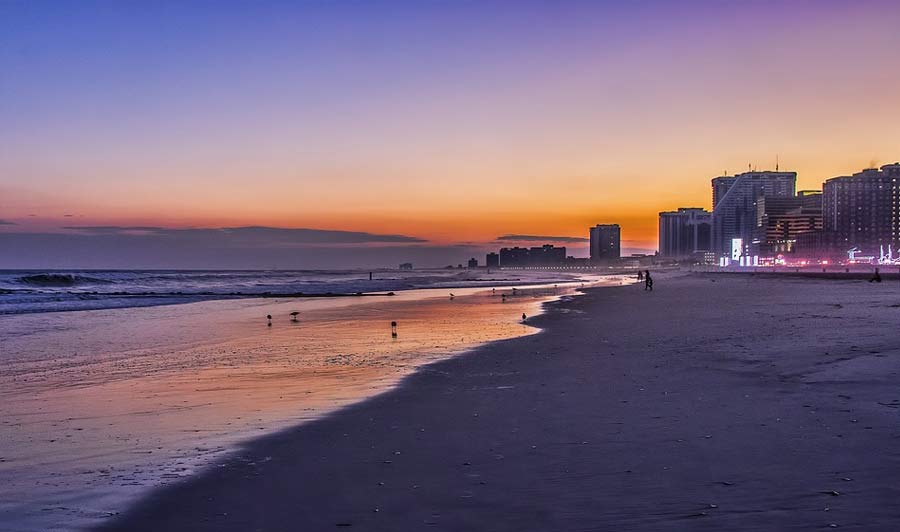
(99,407)
(716,402)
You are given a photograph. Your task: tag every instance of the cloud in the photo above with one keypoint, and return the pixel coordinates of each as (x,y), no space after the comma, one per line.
(6,222)
(113,229)
(112,250)
(253,236)
(539,238)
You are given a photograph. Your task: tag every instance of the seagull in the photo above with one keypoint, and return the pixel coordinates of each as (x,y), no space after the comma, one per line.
(294,315)
(451,295)
(269,317)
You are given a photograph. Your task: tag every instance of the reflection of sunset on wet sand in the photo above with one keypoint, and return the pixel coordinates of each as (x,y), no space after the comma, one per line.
(135,397)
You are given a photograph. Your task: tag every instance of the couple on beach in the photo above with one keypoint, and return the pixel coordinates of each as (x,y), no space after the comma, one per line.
(645,276)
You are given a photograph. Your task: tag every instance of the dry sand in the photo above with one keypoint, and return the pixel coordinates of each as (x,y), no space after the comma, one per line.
(713,403)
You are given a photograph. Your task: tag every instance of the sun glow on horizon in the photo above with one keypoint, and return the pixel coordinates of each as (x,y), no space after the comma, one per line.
(454,124)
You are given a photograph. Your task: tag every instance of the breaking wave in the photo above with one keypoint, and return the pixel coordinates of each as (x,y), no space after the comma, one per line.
(59,279)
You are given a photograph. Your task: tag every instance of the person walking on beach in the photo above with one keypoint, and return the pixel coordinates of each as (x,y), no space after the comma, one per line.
(640,275)
(875,278)
(648,281)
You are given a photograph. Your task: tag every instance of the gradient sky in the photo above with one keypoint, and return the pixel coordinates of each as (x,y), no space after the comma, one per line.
(448,122)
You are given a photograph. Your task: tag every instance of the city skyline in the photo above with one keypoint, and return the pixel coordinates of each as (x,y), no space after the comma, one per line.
(425,130)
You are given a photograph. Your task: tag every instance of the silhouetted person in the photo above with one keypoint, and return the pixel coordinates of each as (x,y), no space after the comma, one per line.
(648,281)
(875,278)
(640,275)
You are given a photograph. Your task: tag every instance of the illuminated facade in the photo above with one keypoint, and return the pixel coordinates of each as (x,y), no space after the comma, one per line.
(781,220)
(863,210)
(735,201)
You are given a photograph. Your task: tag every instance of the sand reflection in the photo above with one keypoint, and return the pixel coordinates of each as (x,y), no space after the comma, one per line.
(98,405)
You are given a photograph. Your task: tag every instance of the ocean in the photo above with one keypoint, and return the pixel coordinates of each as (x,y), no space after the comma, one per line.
(109,389)
(26,291)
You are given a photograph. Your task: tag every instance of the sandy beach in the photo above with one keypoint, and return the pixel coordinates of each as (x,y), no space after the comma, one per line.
(716,402)
(99,407)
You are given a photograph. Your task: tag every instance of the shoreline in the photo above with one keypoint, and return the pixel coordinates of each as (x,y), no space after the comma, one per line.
(229,379)
(832,275)
(126,299)
(618,415)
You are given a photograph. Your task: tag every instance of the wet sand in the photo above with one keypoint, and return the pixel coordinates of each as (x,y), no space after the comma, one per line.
(713,403)
(98,407)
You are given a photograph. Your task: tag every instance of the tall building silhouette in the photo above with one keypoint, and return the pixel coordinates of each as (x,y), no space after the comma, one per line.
(863,210)
(684,232)
(720,186)
(605,242)
(735,204)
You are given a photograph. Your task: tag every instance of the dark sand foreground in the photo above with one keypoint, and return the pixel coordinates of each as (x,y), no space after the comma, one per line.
(713,403)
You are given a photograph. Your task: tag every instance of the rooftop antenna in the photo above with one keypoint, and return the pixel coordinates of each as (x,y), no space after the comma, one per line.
(749,167)
(776,162)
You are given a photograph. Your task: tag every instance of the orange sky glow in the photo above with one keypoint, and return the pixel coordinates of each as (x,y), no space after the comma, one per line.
(479,129)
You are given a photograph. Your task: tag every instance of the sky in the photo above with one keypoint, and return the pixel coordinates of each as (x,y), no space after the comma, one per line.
(368,133)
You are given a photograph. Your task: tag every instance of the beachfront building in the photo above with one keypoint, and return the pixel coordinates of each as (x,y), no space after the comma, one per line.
(720,186)
(537,257)
(605,242)
(735,198)
(781,220)
(473,263)
(863,210)
(684,233)
(492,260)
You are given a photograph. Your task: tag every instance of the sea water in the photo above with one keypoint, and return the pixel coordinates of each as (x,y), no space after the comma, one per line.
(99,406)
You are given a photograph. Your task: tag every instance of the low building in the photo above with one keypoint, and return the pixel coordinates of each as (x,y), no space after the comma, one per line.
(545,256)
(406,266)
(473,263)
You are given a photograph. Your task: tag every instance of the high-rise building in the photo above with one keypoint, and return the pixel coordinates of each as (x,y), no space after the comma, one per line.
(781,220)
(473,263)
(863,210)
(605,242)
(720,186)
(734,216)
(684,232)
(492,260)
